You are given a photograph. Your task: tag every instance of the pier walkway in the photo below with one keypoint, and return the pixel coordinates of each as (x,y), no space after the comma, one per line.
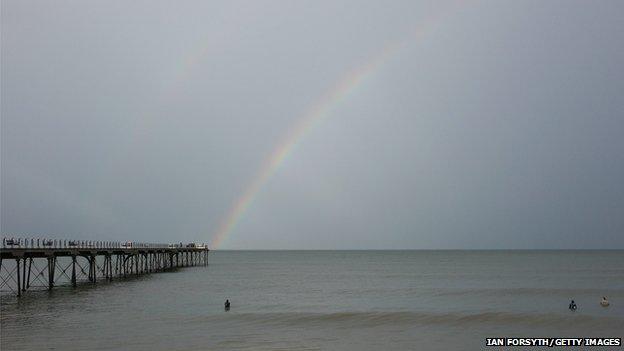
(31,264)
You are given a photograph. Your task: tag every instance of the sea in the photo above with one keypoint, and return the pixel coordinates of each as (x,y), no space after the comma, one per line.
(331,300)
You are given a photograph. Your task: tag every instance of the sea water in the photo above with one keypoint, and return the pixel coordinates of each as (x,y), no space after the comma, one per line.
(330,300)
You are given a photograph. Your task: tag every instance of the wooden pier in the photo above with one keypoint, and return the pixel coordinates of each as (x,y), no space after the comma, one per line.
(36,264)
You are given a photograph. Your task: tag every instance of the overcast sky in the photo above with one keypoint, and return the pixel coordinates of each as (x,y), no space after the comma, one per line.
(501,125)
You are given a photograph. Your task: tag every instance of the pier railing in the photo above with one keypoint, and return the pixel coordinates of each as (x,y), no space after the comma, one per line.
(41,243)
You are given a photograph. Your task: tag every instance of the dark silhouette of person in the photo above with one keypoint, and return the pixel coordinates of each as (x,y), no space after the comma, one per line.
(572,306)
(227,305)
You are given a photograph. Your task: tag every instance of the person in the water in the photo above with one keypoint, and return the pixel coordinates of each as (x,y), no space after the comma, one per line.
(227,304)
(572,306)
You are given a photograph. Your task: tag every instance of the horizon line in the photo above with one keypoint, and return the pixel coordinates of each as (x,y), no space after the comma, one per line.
(454,249)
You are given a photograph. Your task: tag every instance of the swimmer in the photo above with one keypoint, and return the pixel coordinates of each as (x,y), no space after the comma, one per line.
(572,306)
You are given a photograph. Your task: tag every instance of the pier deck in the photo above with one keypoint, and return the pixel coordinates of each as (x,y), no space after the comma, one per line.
(30,264)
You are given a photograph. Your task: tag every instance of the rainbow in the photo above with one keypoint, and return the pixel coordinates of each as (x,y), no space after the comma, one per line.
(317,113)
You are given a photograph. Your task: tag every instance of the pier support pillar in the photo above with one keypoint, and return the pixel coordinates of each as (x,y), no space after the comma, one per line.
(73,276)
(24,276)
(19,285)
(94,269)
(29,269)
(51,269)
(110,268)
(105,267)
(91,270)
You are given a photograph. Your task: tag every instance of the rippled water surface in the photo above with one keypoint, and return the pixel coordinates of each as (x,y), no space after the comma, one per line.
(336,300)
